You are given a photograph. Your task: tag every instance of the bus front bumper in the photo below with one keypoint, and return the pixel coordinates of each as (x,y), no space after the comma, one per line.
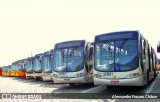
(79,80)
(137,81)
(29,75)
(47,77)
(37,75)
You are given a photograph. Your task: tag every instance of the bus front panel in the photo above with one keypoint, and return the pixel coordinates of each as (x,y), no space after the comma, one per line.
(116,59)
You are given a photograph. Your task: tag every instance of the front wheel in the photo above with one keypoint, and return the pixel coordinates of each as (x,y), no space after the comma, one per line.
(72,84)
(110,87)
(38,79)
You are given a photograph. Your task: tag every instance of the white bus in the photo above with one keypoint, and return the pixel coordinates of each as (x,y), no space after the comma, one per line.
(123,59)
(37,66)
(46,66)
(73,62)
(29,67)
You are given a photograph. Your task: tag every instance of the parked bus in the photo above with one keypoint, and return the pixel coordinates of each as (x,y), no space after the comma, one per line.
(9,70)
(0,70)
(23,68)
(158,64)
(123,59)
(73,62)
(13,69)
(4,71)
(29,67)
(17,68)
(46,66)
(37,69)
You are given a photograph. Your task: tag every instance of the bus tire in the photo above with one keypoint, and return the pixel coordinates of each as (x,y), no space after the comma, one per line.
(110,87)
(71,84)
(38,79)
(91,84)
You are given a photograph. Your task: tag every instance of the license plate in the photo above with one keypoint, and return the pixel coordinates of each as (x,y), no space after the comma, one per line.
(115,82)
(36,74)
(66,79)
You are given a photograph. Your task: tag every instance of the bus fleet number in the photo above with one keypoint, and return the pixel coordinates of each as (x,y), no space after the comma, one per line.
(108,74)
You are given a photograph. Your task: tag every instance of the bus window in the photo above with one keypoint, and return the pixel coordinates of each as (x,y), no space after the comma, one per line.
(68,59)
(105,56)
(117,56)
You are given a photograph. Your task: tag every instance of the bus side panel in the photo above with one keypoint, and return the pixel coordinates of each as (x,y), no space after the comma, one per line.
(22,74)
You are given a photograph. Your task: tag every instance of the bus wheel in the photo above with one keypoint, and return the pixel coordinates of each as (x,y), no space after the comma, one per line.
(72,84)
(110,87)
(91,84)
(38,79)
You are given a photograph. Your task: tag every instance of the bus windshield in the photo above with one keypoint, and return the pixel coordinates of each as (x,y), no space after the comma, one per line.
(29,65)
(12,67)
(23,66)
(68,59)
(37,64)
(51,61)
(46,63)
(8,69)
(116,55)
(4,69)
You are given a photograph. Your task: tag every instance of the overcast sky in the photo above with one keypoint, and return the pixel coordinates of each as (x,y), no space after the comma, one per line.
(36,25)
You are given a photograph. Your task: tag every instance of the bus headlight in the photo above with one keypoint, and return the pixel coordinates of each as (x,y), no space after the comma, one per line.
(132,75)
(96,75)
(99,75)
(80,74)
(55,75)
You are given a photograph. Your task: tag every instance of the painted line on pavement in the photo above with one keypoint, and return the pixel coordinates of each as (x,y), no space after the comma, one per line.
(95,89)
(151,87)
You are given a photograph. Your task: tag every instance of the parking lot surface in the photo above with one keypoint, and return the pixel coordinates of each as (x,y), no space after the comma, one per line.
(14,85)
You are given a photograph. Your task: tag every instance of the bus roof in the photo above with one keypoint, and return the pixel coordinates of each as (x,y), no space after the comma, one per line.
(30,58)
(39,55)
(71,43)
(51,51)
(46,53)
(115,35)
